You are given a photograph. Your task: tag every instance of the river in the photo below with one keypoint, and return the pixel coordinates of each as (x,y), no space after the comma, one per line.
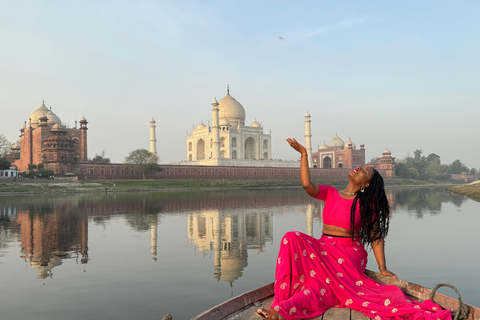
(143,255)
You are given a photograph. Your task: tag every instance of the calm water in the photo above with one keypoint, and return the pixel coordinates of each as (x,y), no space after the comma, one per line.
(140,256)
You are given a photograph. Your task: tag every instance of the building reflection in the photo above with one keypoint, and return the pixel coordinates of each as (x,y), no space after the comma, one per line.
(225,224)
(47,239)
(229,234)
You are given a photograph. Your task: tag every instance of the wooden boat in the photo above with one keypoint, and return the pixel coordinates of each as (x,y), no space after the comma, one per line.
(244,306)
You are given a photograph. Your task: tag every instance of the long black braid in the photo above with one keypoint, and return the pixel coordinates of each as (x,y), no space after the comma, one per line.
(374,211)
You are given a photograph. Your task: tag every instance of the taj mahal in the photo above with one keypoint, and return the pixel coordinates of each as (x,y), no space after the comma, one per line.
(229,142)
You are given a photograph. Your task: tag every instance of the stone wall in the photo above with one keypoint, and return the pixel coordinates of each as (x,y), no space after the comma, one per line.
(125,171)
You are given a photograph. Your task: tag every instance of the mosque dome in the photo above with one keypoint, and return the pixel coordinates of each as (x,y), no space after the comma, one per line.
(255,124)
(37,114)
(323,146)
(201,125)
(52,118)
(386,152)
(336,142)
(231,109)
(16,146)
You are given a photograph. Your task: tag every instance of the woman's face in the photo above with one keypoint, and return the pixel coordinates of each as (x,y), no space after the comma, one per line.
(361,175)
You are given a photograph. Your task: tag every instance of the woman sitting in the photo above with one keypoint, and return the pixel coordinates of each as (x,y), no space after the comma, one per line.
(313,275)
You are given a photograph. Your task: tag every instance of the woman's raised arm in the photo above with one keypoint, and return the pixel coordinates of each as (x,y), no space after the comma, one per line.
(307,184)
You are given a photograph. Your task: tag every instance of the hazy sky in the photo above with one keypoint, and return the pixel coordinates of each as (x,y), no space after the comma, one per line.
(402,75)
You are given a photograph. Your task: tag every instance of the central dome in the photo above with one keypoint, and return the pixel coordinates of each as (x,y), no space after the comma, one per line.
(231,109)
(41,112)
(336,142)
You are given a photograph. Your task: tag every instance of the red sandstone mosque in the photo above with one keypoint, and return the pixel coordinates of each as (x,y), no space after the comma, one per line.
(45,140)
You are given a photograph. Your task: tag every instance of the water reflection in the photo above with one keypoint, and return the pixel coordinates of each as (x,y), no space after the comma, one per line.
(229,233)
(422,200)
(221,224)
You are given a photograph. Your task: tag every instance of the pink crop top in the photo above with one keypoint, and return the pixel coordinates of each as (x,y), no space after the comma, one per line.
(337,209)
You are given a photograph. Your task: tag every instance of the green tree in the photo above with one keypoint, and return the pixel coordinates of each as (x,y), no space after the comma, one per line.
(99,158)
(457,167)
(146,162)
(432,170)
(432,157)
(5,164)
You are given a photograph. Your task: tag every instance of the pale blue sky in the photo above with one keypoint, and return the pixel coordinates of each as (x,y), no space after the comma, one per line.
(401,75)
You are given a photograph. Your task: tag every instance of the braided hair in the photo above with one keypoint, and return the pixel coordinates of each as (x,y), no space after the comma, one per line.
(374,211)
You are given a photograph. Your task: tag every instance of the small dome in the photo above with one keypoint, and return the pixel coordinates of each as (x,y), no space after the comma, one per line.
(57,127)
(83,120)
(336,142)
(255,124)
(350,142)
(307,115)
(323,146)
(386,152)
(201,125)
(231,109)
(224,122)
(16,146)
(152,120)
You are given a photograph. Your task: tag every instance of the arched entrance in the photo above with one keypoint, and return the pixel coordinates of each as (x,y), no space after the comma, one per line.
(327,163)
(250,149)
(200,149)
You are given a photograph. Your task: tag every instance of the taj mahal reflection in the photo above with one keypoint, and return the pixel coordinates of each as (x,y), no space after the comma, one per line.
(229,234)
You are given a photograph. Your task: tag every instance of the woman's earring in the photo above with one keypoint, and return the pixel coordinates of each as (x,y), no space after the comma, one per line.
(362,189)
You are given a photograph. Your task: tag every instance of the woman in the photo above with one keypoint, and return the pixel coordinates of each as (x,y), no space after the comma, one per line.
(313,275)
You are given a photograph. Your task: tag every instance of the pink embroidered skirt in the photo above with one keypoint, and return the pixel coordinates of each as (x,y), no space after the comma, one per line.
(313,275)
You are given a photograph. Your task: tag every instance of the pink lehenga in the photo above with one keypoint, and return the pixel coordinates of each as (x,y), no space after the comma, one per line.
(313,275)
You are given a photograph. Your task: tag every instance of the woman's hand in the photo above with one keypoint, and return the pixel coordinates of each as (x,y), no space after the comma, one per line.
(297,146)
(385,272)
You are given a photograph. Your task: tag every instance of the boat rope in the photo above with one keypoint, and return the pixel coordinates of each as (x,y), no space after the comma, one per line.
(462,310)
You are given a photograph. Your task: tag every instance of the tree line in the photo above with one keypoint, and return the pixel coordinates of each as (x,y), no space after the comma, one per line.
(429,167)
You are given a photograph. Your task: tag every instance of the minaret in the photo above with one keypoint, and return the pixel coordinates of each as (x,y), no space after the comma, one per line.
(153,138)
(83,139)
(308,139)
(215,131)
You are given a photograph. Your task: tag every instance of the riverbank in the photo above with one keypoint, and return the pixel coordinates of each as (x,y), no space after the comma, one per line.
(471,190)
(26,186)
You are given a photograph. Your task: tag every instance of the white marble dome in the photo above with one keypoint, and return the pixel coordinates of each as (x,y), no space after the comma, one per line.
(255,124)
(231,109)
(336,142)
(201,126)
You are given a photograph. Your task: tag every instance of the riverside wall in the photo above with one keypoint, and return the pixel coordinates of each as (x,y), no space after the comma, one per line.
(90,171)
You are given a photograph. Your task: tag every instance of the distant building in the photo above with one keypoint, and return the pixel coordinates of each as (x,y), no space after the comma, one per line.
(47,141)
(338,154)
(9,173)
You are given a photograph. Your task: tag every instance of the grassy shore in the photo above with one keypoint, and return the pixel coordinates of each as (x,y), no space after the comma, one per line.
(470,190)
(9,187)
